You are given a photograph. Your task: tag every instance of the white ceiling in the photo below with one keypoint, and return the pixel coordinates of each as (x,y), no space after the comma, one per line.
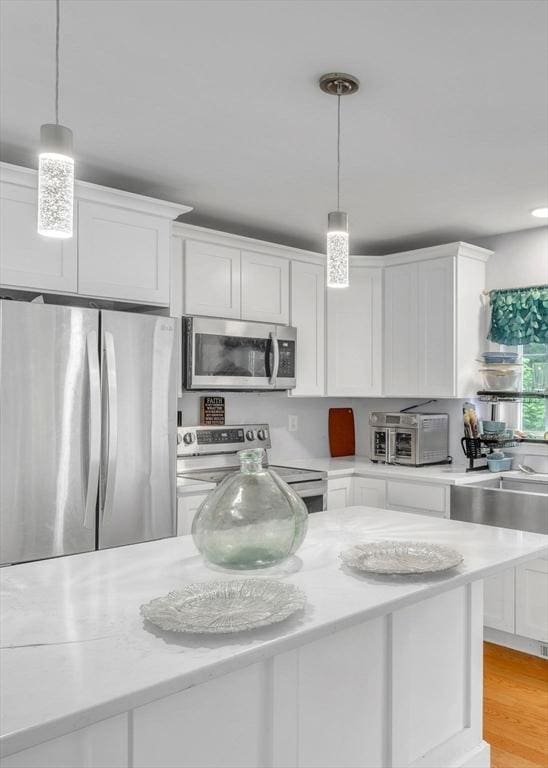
(215,104)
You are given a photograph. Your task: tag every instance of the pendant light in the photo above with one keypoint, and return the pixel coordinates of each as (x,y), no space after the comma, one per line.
(55,167)
(338,84)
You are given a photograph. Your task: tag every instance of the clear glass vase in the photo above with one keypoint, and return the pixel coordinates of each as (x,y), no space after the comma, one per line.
(252,519)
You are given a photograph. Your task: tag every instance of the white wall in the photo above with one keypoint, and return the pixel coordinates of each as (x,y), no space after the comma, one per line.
(309,441)
(520,258)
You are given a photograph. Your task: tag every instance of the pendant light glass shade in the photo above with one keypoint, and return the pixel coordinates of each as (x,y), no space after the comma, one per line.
(55,181)
(337,250)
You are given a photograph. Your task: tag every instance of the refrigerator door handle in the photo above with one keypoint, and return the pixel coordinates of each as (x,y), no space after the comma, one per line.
(112,402)
(94,428)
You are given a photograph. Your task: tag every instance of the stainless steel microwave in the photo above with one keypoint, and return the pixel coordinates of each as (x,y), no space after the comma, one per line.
(231,354)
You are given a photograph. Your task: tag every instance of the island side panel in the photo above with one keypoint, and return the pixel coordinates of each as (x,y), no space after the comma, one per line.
(101,745)
(400,691)
(437,681)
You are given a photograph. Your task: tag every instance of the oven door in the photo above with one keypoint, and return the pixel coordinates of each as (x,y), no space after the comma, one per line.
(313,493)
(403,445)
(228,354)
(379,444)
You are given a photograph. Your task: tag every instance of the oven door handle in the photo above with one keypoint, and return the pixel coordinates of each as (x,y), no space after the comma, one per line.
(308,494)
(309,488)
(390,446)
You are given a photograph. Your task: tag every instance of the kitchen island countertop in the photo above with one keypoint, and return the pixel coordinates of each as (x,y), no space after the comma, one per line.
(75,649)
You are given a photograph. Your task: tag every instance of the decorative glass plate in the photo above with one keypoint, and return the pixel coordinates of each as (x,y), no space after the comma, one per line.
(400,557)
(215,607)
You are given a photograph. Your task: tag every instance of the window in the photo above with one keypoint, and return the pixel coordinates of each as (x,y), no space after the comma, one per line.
(533,412)
(531,415)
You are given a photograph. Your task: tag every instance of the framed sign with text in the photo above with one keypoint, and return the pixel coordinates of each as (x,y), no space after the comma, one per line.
(212,410)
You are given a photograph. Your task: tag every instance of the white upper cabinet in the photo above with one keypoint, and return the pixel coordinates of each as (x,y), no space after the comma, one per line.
(436,297)
(29,260)
(354,335)
(223,277)
(211,280)
(307,299)
(120,249)
(265,288)
(433,321)
(401,320)
(123,254)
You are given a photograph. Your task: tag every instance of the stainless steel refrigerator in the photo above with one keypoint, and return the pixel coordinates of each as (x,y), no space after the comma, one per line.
(88,404)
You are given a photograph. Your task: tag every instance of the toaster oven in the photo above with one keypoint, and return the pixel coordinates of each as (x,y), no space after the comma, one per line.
(409,438)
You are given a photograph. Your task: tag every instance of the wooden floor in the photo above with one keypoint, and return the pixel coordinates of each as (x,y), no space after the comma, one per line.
(515,708)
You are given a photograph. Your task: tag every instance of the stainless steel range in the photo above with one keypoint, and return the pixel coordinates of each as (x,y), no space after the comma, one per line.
(210,453)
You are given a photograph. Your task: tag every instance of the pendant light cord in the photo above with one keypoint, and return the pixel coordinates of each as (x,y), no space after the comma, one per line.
(57,20)
(338,147)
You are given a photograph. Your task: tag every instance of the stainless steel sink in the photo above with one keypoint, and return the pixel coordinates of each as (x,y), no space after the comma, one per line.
(507,502)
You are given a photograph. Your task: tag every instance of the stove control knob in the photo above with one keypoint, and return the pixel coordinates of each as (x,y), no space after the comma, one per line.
(262,434)
(179,438)
(188,438)
(374,418)
(250,434)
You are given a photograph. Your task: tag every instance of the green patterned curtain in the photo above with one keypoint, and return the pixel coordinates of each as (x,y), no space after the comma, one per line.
(519,316)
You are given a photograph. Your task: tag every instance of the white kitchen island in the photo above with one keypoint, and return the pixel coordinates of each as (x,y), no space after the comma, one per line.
(377,671)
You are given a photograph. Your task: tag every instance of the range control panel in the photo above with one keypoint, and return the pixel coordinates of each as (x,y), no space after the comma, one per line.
(200,441)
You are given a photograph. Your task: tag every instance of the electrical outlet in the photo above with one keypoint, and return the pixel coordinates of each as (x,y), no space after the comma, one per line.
(293,423)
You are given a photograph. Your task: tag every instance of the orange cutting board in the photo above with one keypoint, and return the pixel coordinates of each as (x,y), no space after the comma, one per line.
(342,438)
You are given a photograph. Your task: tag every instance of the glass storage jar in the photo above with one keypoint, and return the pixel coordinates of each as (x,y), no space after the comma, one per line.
(252,519)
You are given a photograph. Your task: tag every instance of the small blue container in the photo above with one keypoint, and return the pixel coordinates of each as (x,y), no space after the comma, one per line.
(499,465)
(494,427)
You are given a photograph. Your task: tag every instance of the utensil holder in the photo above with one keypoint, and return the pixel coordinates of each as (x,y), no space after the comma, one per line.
(472,447)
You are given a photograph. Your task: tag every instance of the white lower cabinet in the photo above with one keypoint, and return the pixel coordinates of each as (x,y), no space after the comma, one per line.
(339,493)
(186,509)
(421,498)
(516,601)
(101,745)
(499,601)
(223,722)
(532,599)
(369,492)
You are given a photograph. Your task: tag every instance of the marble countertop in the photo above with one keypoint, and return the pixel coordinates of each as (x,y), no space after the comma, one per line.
(74,649)
(361,466)
(187,485)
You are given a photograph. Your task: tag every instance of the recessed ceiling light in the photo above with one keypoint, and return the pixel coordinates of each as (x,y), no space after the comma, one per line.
(540,213)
